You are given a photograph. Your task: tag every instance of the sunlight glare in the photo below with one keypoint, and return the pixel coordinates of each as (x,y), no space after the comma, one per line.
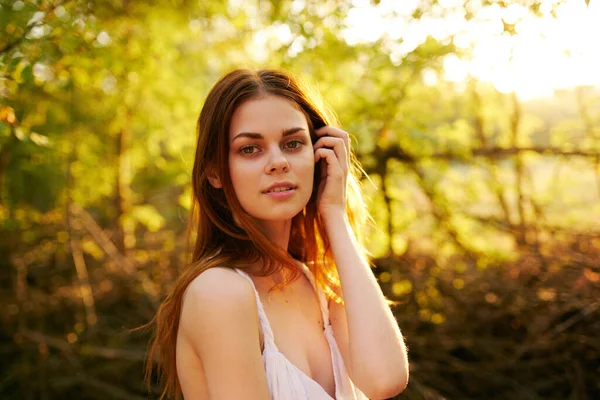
(544,53)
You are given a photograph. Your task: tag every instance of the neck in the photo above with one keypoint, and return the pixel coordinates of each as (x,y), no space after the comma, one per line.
(278,232)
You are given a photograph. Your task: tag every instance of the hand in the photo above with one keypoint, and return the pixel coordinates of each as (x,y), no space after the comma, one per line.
(333,150)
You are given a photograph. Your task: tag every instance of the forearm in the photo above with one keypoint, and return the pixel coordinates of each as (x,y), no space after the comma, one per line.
(375,343)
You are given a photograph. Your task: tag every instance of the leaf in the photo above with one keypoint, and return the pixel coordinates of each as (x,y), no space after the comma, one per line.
(40,140)
(7,114)
(148,215)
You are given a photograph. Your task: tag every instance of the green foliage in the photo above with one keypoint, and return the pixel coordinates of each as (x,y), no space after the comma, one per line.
(98,106)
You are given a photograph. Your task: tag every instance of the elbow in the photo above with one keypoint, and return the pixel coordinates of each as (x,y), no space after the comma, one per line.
(389,386)
(383,378)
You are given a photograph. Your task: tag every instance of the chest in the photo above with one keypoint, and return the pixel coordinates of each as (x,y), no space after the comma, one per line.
(296,321)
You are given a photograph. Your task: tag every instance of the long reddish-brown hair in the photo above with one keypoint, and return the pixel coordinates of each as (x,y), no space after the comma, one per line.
(224,235)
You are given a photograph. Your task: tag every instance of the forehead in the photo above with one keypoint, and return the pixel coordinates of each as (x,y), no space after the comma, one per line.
(265,115)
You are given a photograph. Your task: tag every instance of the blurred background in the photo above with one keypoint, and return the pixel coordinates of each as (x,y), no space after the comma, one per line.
(478,122)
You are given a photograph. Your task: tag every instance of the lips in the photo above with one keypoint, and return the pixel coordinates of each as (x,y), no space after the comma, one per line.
(280,187)
(277,190)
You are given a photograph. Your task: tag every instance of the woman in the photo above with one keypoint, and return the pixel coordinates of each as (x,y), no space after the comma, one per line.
(279,301)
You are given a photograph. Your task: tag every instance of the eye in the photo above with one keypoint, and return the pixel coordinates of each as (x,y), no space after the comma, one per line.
(247,149)
(296,144)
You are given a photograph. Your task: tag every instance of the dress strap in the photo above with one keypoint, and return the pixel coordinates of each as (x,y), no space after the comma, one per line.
(262,316)
(323,303)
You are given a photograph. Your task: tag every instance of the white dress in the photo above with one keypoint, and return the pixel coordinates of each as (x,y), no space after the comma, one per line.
(288,382)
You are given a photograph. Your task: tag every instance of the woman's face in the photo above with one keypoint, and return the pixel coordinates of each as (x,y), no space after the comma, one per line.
(269,144)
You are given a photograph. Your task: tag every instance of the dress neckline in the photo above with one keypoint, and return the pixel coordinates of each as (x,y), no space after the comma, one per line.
(269,339)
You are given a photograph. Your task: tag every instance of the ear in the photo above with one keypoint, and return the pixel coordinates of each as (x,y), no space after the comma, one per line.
(214,180)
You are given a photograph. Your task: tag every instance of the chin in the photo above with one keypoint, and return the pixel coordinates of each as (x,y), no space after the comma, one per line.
(278,213)
(279,216)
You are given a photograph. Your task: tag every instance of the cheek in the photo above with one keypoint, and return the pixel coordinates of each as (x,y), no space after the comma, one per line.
(308,167)
(308,156)
(242,176)
(312,160)
(244,181)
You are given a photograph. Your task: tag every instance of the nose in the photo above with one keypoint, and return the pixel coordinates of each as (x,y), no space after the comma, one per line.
(277,162)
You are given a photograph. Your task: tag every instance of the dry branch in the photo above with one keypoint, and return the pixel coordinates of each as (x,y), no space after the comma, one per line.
(400,154)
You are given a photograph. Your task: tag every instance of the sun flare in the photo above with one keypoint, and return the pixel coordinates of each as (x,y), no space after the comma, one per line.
(509,47)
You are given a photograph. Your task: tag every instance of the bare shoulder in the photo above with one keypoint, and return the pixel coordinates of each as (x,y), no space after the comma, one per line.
(218,294)
(219,281)
(219,324)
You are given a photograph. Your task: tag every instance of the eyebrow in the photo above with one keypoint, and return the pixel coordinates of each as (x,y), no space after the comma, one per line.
(254,135)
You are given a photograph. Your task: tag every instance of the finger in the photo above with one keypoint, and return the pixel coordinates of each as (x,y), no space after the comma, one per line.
(335,132)
(334,169)
(339,146)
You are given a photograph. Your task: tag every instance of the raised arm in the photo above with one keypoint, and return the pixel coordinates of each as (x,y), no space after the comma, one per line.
(365,328)
(219,324)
